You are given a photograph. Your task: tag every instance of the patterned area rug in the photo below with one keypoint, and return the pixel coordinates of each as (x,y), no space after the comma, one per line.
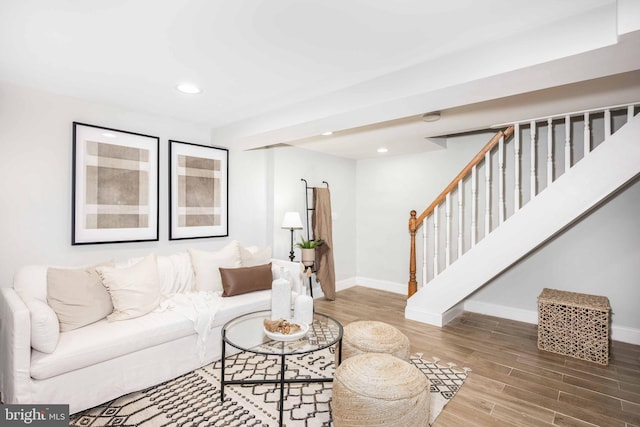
(194,398)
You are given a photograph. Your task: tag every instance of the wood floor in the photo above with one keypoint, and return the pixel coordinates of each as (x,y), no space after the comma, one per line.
(512,383)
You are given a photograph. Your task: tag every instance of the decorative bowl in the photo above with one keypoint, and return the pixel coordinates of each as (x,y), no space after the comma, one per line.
(277,336)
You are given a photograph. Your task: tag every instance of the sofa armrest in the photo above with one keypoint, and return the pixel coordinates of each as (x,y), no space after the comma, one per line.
(15,345)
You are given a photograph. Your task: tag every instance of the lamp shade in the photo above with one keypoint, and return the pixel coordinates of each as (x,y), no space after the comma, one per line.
(292,220)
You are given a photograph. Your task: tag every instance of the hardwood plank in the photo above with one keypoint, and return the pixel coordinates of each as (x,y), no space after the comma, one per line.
(511,382)
(567,421)
(521,417)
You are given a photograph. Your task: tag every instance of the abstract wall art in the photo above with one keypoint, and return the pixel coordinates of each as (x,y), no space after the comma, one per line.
(199,187)
(115,185)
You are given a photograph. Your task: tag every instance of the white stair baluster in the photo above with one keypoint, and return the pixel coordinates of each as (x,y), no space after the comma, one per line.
(487,196)
(629,113)
(424,252)
(607,123)
(549,152)
(532,175)
(516,152)
(567,143)
(436,238)
(447,210)
(501,202)
(474,206)
(587,135)
(460,217)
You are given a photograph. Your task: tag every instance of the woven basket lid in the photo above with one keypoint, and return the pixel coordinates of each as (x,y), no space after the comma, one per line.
(381,376)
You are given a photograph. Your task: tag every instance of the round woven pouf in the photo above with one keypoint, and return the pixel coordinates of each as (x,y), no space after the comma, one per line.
(375,389)
(370,336)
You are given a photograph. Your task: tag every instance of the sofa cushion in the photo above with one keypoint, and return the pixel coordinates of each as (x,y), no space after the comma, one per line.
(134,290)
(254,255)
(206,265)
(77,296)
(103,340)
(44,326)
(236,281)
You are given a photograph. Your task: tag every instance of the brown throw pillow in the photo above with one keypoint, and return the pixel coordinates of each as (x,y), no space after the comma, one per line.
(236,281)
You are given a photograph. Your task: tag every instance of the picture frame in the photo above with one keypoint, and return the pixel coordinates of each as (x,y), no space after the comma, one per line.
(115,185)
(198,191)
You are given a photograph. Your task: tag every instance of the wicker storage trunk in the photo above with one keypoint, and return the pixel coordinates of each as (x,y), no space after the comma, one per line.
(574,324)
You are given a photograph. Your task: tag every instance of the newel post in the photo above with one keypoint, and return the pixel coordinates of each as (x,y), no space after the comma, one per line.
(413,284)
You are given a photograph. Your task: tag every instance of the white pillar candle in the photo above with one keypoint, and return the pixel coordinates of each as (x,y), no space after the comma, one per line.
(303,308)
(280,298)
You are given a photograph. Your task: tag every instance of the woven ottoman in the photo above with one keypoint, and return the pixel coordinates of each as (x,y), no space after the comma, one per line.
(369,336)
(376,389)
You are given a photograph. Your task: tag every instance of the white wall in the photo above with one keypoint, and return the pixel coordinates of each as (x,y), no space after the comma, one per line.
(599,255)
(371,203)
(35,186)
(35,181)
(291,164)
(388,188)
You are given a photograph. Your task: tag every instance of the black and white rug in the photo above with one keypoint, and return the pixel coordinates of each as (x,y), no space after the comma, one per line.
(193,399)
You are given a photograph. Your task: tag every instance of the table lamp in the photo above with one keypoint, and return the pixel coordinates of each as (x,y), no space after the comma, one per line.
(292,221)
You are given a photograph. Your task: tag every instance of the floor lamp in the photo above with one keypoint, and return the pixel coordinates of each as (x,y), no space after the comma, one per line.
(292,221)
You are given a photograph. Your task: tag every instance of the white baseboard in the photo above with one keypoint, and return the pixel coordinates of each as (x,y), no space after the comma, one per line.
(625,334)
(618,333)
(383,285)
(435,319)
(340,286)
(505,312)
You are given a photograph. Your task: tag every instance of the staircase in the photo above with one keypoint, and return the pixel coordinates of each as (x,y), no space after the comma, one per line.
(584,158)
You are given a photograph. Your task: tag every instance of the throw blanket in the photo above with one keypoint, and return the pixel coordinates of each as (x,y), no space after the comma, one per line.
(200,308)
(322,229)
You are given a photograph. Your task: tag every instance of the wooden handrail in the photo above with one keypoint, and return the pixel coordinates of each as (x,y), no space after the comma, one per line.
(415,223)
(464,172)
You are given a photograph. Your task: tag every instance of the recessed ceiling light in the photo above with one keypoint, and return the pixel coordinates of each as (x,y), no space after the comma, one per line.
(327,133)
(108,135)
(382,150)
(189,88)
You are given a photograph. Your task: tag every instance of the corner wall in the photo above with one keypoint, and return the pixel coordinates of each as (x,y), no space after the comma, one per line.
(598,255)
(35,182)
(289,165)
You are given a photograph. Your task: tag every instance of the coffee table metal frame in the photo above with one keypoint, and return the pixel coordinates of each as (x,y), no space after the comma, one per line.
(314,342)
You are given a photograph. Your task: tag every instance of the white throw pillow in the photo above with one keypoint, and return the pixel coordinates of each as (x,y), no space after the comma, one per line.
(206,265)
(45,330)
(134,290)
(252,256)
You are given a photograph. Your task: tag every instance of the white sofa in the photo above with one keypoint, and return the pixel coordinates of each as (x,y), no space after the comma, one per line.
(107,359)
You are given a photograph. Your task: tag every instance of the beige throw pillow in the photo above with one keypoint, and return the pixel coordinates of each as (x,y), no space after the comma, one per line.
(134,290)
(254,255)
(206,265)
(77,296)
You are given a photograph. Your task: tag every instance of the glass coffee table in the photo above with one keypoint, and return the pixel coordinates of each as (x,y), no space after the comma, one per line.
(246,333)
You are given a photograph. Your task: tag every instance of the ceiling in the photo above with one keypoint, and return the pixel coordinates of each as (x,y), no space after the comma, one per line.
(285,71)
